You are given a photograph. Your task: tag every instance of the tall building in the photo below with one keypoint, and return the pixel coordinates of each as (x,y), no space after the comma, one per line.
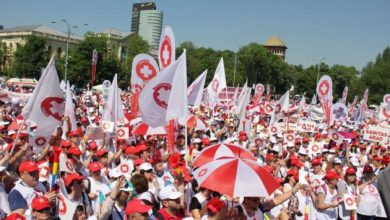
(276,46)
(146,21)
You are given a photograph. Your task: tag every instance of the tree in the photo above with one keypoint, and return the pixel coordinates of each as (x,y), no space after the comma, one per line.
(30,58)
(376,77)
(3,56)
(260,66)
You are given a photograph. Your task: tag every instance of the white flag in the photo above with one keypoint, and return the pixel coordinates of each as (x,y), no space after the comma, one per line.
(46,105)
(165,97)
(167,47)
(113,109)
(242,113)
(281,106)
(69,108)
(217,84)
(195,90)
(241,97)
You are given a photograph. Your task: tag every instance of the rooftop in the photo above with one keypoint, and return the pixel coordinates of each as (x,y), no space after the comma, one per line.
(274,41)
(39,28)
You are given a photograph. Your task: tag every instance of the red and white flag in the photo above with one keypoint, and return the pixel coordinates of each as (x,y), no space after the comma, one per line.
(217,84)
(167,48)
(364,101)
(165,97)
(46,105)
(94,63)
(195,90)
(345,95)
(335,136)
(113,109)
(325,93)
(69,108)
(144,68)
(122,133)
(281,106)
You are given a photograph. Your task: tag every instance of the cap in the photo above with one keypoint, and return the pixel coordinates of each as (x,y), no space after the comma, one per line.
(28,166)
(137,205)
(92,145)
(141,147)
(293,172)
(65,143)
(215,205)
(350,171)
(84,120)
(73,133)
(242,138)
(15,216)
(305,140)
(205,141)
(196,141)
(368,169)
(71,177)
(303,151)
(269,157)
(169,192)
(297,163)
(316,161)
(115,173)
(131,150)
(138,161)
(376,158)
(75,151)
(242,133)
(101,152)
(337,160)
(39,203)
(146,166)
(94,166)
(330,175)
(297,141)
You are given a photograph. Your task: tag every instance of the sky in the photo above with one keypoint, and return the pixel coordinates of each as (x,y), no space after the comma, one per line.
(348,32)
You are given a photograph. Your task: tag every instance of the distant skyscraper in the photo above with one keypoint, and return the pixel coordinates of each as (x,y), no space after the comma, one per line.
(1,27)
(146,21)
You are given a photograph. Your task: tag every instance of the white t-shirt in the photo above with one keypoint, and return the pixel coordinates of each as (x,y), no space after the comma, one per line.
(369,199)
(330,213)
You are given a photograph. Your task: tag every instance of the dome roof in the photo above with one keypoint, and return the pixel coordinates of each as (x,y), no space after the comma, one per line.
(274,41)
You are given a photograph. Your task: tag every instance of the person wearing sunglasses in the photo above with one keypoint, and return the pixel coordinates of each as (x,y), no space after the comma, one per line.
(41,208)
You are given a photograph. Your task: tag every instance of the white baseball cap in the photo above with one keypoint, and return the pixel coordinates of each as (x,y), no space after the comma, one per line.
(196,141)
(354,161)
(272,139)
(169,192)
(115,173)
(302,151)
(146,166)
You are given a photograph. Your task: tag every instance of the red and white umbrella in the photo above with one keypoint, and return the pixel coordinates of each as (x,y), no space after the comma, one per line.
(221,151)
(236,177)
(144,129)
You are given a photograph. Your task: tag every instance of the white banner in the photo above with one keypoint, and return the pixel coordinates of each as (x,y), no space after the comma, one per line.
(376,134)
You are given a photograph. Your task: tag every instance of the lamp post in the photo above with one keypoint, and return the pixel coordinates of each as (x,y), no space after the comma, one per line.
(319,68)
(69,26)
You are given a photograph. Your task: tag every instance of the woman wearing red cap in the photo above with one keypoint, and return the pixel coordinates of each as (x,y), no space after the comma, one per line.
(370,205)
(327,199)
(348,186)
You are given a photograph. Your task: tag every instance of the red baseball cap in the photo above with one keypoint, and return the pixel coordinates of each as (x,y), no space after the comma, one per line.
(305,140)
(241,133)
(297,163)
(131,150)
(83,120)
(293,172)
(28,166)
(101,152)
(65,143)
(330,175)
(141,147)
(138,161)
(71,177)
(137,205)
(39,203)
(316,161)
(94,166)
(243,138)
(269,157)
(15,216)
(350,171)
(75,151)
(92,145)
(376,158)
(368,169)
(215,205)
(73,133)
(205,141)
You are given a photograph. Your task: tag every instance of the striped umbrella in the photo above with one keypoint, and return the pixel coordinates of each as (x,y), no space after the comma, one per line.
(144,129)
(236,177)
(221,151)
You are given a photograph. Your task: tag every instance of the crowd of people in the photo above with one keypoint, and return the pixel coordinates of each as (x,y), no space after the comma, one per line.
(143,178)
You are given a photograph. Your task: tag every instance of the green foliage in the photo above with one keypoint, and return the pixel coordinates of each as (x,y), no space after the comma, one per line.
(30,58)
(376,77)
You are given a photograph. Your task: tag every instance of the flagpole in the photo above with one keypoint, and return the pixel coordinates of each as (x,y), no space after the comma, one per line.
(17,136)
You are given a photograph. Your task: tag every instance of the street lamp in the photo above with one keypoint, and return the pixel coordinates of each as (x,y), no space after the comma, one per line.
(69,27)
(319,67)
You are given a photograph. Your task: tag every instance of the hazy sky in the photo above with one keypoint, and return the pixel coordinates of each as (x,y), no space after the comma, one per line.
(348,32)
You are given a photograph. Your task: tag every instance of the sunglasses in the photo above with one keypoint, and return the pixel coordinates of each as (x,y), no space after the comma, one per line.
(44,210)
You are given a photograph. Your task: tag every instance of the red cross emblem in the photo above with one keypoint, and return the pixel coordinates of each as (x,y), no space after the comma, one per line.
(215,85)
(40,141)
(160,94)
(268,108)
(121,133)
(315,148)
(324,88)
(166,52)
(50,107)
(69,165)
(44,172)
(384,112)
(62,205)
(145,70)
(135,88)
(260,88)
(290,137)
(274,129)
(202,172)
(349,201)
(124,168)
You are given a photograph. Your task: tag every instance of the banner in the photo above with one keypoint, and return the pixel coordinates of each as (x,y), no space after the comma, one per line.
(376,134)
(325,93)
(167,48)
(307,126)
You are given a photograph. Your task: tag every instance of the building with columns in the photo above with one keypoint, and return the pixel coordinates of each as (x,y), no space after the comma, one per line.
(12,38)
(276,46)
